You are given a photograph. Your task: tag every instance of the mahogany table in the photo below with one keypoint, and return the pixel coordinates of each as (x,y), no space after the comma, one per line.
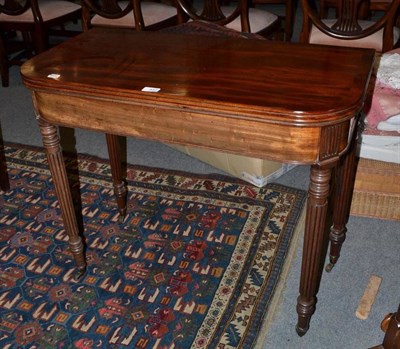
(279,101)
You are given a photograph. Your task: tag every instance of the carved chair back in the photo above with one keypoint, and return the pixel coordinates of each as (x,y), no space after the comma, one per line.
(132,14)
(349,27)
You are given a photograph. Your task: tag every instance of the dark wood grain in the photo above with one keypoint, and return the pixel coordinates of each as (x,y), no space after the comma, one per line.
(189,70)
(288,102)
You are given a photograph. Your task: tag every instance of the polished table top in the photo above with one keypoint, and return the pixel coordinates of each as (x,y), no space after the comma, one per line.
(253,80)
(280,101)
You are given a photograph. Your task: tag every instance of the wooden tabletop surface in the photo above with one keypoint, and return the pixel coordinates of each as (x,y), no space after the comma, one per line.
(283,82)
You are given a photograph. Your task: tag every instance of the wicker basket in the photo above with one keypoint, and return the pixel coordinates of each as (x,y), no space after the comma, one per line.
(377,190)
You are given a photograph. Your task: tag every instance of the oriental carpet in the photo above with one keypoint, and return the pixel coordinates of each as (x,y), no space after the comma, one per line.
(194,264)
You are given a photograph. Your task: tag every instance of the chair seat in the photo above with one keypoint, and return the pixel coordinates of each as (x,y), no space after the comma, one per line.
(152,13)
(259,19)
(50,9)
(373,41)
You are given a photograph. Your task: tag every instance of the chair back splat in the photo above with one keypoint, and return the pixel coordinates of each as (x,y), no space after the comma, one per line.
(349,25)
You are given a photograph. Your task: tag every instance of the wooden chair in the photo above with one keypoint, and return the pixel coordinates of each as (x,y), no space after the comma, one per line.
(239,17)
(35,21)
(289,17)
(348,28)
(133,14)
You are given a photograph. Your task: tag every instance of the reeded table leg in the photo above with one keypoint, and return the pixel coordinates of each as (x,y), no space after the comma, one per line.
(344,186)
(51,142)
(116,172)
(317,208)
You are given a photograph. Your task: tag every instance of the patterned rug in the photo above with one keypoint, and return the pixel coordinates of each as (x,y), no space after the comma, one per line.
(194,264)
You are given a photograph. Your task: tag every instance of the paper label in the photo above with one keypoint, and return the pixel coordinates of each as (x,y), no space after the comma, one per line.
(54,76)
(150,89)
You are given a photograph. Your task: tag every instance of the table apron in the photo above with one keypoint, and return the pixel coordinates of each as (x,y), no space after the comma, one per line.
(311,144)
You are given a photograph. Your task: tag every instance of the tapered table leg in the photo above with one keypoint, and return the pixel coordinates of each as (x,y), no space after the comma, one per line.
(51,142)
(120,189)
(345,174)
(313,249)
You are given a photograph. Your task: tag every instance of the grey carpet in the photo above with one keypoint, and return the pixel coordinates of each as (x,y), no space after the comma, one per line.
(372,246)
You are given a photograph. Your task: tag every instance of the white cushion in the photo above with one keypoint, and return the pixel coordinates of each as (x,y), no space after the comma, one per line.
(373,41)
(259,19)
(152,13)
(49,9)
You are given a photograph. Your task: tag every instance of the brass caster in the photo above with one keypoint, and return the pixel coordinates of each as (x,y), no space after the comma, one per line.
(329,267)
